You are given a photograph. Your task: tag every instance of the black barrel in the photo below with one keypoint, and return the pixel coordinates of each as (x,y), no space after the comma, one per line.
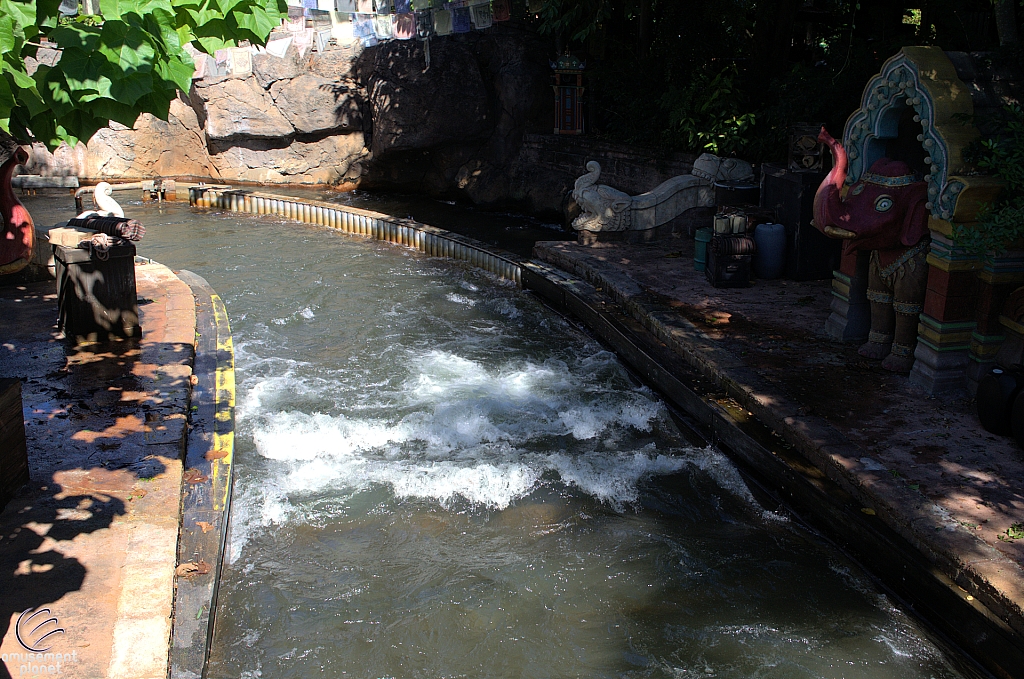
(737,193)
(996,397)
(1017,419)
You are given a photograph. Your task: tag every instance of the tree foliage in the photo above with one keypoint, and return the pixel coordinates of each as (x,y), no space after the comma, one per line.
(1000,224)
(706,114)
(577,19)
(732,75)
(128,61)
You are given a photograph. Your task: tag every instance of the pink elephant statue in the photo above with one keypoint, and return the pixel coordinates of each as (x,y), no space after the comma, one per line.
(883,213)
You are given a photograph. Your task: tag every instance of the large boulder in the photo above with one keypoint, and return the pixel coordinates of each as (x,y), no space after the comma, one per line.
(153,148)
(313,104)
(331,160)
(268,69)
(150,148)
(454,127)
(238,108)
(416,108)
(336,64)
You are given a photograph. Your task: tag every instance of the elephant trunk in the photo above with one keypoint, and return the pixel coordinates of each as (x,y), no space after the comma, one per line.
(827,198)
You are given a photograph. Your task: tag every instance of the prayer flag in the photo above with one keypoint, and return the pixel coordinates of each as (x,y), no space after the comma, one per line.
(461,22)
(405,26)
(442,22)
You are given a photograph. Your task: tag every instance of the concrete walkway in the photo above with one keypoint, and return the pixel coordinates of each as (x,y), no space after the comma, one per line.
(93,537)
(923,466)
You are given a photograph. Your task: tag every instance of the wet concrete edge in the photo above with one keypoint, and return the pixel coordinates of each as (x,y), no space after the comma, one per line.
(934,580)
(206,485)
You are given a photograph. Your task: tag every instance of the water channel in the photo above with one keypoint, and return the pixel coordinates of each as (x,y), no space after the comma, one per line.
(439,477)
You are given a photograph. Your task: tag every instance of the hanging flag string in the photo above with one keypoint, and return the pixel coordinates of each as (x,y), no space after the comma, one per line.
(376,20)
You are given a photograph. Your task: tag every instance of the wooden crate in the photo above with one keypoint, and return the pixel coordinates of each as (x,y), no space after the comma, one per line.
(13,449)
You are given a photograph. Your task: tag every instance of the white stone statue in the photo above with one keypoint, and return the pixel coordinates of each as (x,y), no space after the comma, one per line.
(604,208)
(608,209)
(714,169)
(102,195)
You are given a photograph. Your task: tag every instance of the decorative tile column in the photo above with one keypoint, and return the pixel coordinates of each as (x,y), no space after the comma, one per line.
(997,279)
(948,320)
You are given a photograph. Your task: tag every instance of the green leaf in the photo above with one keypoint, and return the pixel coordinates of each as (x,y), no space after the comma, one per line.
(109,109)
(6,98)
(213,43)
(85,38)
(160,24)
(7,40)
(130,88)
(114,9)
(23,16)
(158,103)
(30,100)
(119,9)
(127,47)
(47,13)
(177,71)
(225,6)
(19,77)
(256,20)
(55,91)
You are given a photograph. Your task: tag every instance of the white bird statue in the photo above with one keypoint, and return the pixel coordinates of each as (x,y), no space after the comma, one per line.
(108,207)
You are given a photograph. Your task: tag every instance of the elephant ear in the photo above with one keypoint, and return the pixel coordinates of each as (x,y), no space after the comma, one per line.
(915,223)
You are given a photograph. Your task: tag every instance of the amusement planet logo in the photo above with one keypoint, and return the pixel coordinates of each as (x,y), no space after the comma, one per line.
(34,630)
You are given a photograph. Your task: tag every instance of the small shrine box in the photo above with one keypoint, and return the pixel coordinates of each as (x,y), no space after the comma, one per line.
(96,294)
(568,86)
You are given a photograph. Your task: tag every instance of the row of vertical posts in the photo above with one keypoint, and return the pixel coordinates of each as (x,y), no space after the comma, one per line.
(427,239)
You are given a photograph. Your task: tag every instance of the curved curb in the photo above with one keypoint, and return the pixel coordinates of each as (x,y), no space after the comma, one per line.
(206,487)
(429,240)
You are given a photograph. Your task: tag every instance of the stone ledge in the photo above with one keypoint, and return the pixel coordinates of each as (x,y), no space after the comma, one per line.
(107,434)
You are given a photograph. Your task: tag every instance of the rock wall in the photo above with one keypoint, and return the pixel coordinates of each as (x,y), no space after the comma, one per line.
(293,120)
(455,127)
(172,148)
(464,116)
(444,119)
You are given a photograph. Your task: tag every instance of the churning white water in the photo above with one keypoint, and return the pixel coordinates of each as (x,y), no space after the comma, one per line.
(437,477)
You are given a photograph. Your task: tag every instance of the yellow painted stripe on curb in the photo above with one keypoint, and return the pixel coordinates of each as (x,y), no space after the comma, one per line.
(224,381)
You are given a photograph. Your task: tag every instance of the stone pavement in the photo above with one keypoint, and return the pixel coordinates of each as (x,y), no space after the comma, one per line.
(93,536)
(923,465)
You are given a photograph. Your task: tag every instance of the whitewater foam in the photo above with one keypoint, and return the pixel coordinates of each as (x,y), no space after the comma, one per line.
(464,430)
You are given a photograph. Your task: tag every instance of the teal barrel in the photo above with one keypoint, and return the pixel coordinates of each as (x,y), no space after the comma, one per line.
(700,247)
(770,257)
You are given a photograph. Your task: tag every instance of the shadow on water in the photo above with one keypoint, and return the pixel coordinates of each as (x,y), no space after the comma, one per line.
(508,231)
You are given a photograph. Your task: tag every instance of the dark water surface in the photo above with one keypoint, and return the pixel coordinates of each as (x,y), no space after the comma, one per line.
(438,477)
